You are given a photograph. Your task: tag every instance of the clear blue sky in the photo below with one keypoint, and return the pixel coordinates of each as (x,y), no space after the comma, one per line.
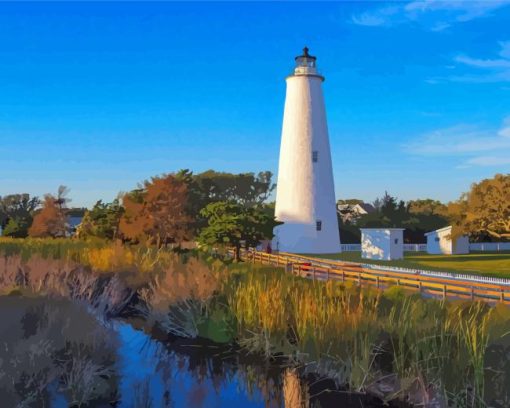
(100,96)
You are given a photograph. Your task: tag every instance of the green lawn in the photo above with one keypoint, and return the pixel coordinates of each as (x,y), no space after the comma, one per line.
(487,263)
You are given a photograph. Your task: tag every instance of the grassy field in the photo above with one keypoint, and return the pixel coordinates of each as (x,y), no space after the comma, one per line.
(488,264)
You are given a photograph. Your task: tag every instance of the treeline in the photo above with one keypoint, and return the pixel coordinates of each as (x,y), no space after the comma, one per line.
(213,208)
(22,215)
(483,213)
(416,216)
(219,209)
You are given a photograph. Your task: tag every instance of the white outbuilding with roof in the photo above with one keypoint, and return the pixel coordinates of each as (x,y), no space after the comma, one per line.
(382,243)
(439,242)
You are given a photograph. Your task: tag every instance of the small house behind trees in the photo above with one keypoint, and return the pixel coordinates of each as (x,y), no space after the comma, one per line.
(382,243)
(440,242)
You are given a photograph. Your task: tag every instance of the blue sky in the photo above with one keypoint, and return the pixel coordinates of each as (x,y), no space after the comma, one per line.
(100,96)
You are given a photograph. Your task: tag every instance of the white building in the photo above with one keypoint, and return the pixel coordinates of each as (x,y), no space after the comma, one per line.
(440,242)
(305,194)
(382,243)
(351,212)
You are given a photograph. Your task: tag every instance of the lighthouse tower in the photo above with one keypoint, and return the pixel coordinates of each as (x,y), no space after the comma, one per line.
(305,193)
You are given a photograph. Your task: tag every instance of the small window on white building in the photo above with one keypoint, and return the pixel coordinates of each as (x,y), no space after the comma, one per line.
(315,156)
(437,239)
(396,241)
(318,225)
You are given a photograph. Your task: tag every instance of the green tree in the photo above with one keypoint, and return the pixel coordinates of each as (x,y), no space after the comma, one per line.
(102,221)
(230,224)
(352,201)
(16,214)
(17,227)
(248,189)
(210,186)
(389,212)
(416,216)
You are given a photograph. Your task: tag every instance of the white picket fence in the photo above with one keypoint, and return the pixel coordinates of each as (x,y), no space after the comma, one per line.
(351,247)
(473,246)
(456,276)
(415,247)
(489,246)
(407,247)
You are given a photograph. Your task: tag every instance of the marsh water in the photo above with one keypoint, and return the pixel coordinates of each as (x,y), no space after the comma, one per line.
(155,374)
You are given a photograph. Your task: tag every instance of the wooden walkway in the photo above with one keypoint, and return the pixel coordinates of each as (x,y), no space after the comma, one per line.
(323,269)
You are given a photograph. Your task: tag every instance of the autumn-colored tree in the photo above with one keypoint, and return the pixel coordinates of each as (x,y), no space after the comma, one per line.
(427,207)
(484,210)
(50,221)
(157,212)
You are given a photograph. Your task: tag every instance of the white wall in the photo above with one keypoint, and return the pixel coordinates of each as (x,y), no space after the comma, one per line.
(397,244)
(461,245)
(437,244)
(305,189)
(380,244)
(440,243)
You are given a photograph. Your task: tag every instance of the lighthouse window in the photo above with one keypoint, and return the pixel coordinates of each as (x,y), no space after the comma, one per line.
(318,225)
(315,156)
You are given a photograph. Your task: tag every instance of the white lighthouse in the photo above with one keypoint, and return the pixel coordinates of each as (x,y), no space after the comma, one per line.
(305,193)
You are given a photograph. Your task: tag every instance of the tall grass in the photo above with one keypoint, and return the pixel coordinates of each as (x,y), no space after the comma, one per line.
(389,343)
(436,348)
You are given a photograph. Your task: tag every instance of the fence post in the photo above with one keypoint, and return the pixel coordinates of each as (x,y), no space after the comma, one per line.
(327,273)
(444,291)
(377,281)
(472,293)
(343,275)
(419,286)
(502,295)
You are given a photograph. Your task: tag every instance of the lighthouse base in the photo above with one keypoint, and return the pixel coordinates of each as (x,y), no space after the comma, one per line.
(305,239)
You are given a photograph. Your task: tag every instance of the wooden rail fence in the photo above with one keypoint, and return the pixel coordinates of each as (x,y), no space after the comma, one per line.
(323,269)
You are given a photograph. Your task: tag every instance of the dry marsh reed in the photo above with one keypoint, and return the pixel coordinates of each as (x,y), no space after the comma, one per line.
(52,344)
(386,342)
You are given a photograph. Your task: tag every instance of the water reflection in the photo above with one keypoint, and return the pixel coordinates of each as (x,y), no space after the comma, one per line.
(152,375)
(185,375)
